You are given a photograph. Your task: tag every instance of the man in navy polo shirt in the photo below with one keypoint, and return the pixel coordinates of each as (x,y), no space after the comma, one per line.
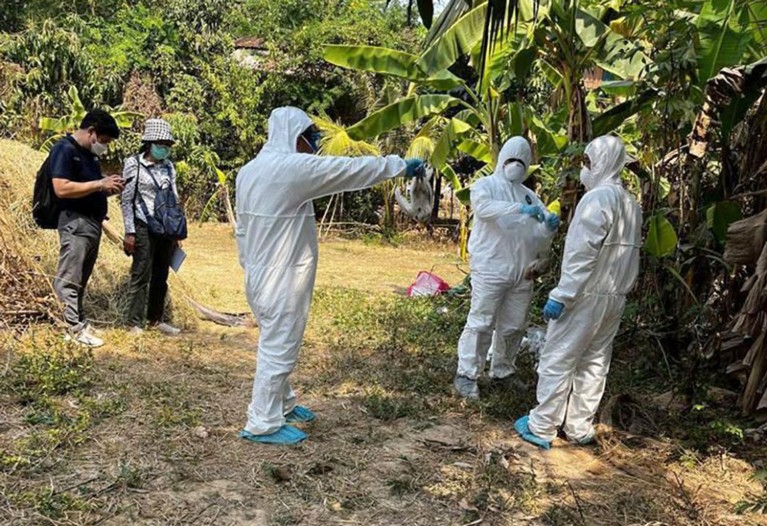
(83,191)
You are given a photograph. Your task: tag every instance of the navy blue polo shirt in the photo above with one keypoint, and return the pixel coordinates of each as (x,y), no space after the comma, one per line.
(71,161)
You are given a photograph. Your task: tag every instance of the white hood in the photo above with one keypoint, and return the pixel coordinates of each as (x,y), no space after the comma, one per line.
(515,148)
(286,124)
(608,157)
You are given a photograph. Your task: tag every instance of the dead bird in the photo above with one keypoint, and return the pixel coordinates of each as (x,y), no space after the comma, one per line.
(420,197)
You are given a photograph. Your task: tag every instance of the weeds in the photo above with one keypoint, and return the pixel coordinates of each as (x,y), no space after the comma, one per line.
(51,368)
(50,503)
(53,380)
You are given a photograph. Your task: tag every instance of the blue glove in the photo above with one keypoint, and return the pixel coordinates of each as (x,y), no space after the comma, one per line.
(552,310)
(552,221)
(533,211)
(414,168)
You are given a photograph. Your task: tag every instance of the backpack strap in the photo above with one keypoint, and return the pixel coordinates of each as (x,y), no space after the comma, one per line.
(138,174)
(144,208)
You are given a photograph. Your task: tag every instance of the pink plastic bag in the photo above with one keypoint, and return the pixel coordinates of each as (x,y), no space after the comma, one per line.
(427,284)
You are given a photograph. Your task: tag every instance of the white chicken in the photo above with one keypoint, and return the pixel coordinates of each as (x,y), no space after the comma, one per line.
(420,197)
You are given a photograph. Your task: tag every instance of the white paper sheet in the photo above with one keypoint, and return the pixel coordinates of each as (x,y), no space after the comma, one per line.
(177,259)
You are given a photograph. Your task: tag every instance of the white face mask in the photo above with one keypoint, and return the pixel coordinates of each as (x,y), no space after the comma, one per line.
(514,172)
(587,178)
(99,149)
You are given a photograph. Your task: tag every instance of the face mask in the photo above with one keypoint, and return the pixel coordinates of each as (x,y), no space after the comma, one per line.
(587,178)
(159,152)
(99,149)
(514,172)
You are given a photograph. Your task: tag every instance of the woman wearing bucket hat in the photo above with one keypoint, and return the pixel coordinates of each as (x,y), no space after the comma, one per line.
(148,175)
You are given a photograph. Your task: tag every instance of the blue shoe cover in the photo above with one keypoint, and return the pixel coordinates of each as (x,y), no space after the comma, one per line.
(523,428)
(300,414)
(286,435)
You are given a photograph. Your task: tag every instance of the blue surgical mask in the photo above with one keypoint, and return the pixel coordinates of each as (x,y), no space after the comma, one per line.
(159,151)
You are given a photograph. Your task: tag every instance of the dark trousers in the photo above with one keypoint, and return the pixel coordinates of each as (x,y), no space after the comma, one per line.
(149,277)
(79,238)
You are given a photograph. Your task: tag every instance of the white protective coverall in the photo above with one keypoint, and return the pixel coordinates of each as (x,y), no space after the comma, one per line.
(503,244)
(599,267)
(277,242)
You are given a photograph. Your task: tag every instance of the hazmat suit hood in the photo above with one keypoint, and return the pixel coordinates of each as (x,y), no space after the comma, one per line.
(286,124)
(515,148)
(608,157)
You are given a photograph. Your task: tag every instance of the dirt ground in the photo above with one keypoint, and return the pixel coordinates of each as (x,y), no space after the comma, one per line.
(144,431)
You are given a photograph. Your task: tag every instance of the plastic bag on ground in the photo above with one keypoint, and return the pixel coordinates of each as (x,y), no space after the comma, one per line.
(427,284)
(532,342)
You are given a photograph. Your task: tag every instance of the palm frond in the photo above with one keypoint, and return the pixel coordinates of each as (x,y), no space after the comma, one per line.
(501,17)
(336,141)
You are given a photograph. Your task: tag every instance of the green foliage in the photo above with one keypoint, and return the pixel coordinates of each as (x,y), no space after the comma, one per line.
(402,112)
(70,122)
(661,237)
(726,30)
(720,215)
(53,59)
(53,369)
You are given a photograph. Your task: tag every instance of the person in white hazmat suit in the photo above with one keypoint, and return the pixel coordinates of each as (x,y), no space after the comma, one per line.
(599,267)
(277,242)
(508,248)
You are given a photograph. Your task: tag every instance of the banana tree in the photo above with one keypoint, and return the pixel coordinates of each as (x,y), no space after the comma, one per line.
(60,126)
(563,39)
(500,16)
(208,161)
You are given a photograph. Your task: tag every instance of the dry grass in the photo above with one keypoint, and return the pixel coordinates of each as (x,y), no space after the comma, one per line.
(213,272)
(143,431)
(35,251)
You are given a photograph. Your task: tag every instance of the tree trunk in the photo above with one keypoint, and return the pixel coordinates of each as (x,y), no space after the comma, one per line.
(578,130)
(231,218)
(437,196)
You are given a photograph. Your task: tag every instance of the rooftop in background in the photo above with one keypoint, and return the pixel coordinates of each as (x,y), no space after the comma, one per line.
(250,43)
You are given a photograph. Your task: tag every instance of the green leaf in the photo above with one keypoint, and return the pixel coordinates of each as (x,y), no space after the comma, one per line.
(78,108)
(125,119)
(221,176)
(50,124)
(619,88)
(449,174)
(400,113)
(723,37)
(664,187)
(523,61)
(552,74)
(477,150)
(455,42)
(589,29)
(516,119)
(454,131)
(464,195)
(374,59)
(720,216)
(661,237)
(735,112)
(443,81)
(547,141)
(613,118)
(469,116)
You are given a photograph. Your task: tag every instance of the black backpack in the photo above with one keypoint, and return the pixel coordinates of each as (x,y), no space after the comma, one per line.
(45,205)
